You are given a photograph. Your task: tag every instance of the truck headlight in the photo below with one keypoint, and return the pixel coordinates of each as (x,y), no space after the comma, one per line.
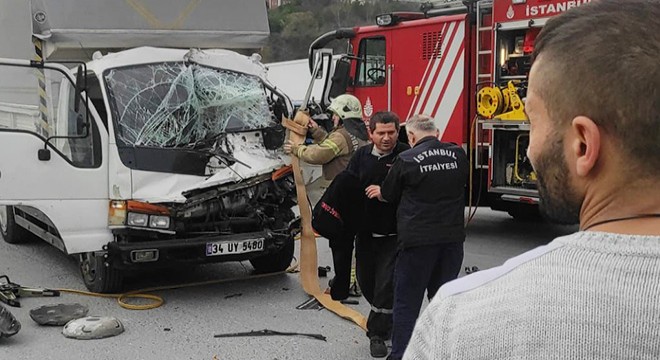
(159,222)
(139,214)
(135,219)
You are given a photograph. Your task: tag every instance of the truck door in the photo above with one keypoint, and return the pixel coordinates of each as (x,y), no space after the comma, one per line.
(37,111)
(372,84)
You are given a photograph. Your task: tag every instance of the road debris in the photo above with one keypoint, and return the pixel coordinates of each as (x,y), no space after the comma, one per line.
(267,332)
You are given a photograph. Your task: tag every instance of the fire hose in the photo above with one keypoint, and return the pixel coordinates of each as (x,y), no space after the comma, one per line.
(297,129)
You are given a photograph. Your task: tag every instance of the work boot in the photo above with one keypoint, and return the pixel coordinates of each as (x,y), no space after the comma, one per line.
(335,294)
(377,347)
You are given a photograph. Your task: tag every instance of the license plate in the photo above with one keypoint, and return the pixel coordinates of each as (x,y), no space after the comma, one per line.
(234,247)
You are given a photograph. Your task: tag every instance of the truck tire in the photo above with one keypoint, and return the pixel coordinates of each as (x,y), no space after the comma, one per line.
(98,277)
(11,232)
(275,262)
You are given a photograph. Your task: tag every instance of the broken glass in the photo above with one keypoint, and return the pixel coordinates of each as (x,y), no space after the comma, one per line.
(179,104)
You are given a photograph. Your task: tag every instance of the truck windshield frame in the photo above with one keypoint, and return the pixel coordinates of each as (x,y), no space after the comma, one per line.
(182,105)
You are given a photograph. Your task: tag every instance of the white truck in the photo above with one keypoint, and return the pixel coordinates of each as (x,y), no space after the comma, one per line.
(130,157)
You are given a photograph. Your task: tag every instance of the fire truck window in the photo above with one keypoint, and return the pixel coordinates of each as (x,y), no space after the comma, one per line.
(371,66)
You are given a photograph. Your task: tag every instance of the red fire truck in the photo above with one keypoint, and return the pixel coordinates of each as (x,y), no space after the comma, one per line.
(465,63)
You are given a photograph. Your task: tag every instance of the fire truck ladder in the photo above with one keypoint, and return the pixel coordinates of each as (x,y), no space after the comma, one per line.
(484,67)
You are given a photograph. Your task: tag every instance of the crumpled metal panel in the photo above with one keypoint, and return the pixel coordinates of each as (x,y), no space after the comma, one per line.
(246,147)
(181,105)
(93,327)
(8,324)
(58,314)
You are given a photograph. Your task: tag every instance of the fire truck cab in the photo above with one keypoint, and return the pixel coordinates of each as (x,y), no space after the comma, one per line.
(465,63)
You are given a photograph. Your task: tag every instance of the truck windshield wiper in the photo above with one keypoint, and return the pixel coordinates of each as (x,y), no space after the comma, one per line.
(226,157)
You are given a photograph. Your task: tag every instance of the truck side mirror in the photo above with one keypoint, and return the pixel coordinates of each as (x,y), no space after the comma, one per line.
(319,72)
(340,78)
(80,87)
(81,124)
(43,154)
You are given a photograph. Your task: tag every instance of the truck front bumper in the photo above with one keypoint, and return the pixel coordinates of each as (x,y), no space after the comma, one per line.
(166,253)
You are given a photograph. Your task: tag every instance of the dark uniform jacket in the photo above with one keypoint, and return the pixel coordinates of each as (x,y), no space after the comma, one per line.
(379,217)
(337,214)
(428,184)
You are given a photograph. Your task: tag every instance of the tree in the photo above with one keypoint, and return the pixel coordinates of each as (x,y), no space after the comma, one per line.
(295,25)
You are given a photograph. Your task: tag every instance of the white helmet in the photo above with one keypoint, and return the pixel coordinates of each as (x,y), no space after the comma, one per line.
(346,106)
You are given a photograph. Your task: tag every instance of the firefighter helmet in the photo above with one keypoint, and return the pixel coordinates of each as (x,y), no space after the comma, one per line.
(346,106)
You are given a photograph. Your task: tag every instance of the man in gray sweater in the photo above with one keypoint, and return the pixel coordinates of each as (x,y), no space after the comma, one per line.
(594,106)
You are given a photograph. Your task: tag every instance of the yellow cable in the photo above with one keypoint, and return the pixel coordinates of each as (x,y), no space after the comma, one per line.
(157,300)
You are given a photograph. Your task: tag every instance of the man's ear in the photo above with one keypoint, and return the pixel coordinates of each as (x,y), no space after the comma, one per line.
(411,138)
(586,144)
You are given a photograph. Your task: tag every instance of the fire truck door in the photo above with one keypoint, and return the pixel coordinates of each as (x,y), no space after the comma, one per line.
(372,84)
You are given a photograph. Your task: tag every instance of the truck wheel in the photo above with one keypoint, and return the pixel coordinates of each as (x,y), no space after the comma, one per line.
(11,232)
(97,276)
(275,262)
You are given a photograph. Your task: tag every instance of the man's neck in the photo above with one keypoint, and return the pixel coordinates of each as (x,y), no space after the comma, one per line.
(424,138)
(380,153)
(629,205)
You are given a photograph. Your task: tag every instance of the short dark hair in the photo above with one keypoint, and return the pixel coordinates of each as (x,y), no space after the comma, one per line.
(600,60)
(384,117)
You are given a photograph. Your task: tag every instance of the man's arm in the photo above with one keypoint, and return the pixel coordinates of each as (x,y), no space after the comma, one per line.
(392,186)
(318,134)
(318,154)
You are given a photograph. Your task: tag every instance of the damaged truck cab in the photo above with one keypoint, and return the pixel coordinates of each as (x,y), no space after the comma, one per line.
(177,161)
(146,157)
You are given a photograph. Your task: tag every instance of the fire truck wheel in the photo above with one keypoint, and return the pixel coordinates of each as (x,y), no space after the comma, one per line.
(275,262)
(98,276)
(10,231)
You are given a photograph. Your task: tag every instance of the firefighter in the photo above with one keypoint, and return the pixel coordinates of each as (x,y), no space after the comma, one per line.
(333,150)
(428,184)
(376,244)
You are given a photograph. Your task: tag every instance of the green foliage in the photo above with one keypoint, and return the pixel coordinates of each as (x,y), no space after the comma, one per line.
(295,25)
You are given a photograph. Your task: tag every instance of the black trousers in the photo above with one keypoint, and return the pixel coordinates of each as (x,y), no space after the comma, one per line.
(418,269)
(342,258)
(375,258)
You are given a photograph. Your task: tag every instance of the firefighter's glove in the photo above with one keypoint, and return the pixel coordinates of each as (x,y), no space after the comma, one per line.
(312,124)
(291,148)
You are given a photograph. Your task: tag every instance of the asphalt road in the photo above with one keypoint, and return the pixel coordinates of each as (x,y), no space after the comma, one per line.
(184,326)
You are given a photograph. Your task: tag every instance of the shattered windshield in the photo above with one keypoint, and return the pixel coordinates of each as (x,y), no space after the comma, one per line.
(177,104)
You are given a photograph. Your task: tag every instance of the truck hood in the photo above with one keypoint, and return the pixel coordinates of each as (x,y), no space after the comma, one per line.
(157,187)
